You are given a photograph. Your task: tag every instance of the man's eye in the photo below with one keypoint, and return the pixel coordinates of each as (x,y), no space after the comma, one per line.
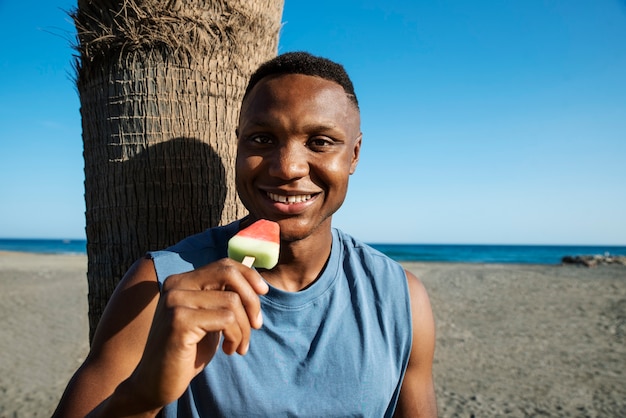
(320,142)
(261,139)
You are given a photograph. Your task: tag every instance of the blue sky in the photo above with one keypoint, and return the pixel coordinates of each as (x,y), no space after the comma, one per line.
(484,121)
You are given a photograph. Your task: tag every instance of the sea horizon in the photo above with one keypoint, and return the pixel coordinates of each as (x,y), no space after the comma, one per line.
(401,252)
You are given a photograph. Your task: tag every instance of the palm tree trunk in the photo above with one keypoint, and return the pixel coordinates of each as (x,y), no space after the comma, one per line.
(160,84)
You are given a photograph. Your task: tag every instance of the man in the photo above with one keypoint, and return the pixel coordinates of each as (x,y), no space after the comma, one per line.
(335,329)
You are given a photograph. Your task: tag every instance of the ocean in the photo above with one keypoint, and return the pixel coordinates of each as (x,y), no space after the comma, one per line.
(45,246)
(517,254)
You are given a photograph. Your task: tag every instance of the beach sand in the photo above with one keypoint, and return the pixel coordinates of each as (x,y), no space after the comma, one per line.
(44,334)
(512,340)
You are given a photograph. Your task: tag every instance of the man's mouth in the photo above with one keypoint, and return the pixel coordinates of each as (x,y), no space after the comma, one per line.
(289,199)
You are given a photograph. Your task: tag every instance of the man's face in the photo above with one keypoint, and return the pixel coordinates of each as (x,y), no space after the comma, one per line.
(298,142)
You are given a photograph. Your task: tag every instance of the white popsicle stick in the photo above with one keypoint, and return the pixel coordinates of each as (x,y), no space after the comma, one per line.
(248,261)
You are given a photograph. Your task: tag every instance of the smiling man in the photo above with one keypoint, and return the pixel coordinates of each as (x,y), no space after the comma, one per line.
(335,329)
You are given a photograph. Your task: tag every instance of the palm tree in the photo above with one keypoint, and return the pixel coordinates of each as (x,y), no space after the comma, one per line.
(160,83)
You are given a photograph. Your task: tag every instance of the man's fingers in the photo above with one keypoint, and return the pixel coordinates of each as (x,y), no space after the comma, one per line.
(216,276)
(236,295)
(196,313)
(219,297)
(225,275)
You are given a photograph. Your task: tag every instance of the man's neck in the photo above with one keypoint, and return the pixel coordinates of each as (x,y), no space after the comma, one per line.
(301,262)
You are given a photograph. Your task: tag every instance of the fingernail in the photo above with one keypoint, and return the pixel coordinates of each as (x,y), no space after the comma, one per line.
(267,287)
(259,319)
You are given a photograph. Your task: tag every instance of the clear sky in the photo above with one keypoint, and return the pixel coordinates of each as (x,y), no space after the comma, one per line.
(484,121)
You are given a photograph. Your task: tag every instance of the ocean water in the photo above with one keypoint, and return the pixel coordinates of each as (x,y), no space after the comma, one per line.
(45,246)
(518,254)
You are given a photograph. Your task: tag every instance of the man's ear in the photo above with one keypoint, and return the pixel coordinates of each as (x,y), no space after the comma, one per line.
(356,153)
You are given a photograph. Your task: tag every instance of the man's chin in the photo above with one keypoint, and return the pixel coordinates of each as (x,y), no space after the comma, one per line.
(293,230)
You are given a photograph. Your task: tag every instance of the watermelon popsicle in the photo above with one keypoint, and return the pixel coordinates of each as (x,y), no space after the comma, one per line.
(257,245)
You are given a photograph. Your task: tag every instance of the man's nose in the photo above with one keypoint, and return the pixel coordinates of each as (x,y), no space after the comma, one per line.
(290,162)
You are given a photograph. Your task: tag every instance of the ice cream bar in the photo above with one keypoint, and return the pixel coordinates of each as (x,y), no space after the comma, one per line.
(257,245)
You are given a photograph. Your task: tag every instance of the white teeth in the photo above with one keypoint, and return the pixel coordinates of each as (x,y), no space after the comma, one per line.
(289,199)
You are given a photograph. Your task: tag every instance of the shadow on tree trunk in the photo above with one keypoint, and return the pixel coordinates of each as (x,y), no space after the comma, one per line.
(154,198)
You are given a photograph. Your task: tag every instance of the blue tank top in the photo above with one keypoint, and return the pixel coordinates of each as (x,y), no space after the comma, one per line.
(338,348)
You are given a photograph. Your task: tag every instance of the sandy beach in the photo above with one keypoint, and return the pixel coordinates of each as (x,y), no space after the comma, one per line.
(512,340)
(43,329)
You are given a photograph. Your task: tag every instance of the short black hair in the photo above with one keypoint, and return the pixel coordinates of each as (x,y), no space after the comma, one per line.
(304,63)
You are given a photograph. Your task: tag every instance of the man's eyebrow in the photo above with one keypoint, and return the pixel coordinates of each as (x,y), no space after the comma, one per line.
(331,129)
(258,123)
(320,126)
(329,126)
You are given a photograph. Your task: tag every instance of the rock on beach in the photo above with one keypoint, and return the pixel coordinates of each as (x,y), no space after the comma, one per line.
(594,260)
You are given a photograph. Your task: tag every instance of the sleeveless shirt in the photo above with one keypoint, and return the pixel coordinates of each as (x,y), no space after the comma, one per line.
(338,348)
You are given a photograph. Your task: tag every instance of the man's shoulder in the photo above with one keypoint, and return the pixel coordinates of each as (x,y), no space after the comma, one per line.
(213,237)
(194,251)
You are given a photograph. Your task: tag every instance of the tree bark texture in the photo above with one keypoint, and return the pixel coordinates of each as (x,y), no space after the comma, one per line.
(160,85)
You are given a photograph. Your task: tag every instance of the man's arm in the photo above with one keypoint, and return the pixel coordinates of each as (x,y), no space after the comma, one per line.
(117,345)
(150,344)
(417,395)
